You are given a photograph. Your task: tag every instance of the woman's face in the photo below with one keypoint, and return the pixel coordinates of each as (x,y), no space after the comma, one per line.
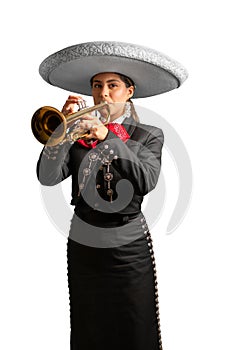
(110,88)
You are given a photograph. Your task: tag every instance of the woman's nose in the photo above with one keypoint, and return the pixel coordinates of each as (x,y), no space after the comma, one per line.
(104,91)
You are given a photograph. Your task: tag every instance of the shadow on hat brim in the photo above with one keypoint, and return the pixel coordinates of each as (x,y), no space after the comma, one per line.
(73,67)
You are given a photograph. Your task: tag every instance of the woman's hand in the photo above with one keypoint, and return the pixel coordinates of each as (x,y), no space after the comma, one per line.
(97,130)
(88,123)
(71,104)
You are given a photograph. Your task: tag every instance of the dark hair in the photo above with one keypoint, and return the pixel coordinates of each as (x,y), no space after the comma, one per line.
(128,82)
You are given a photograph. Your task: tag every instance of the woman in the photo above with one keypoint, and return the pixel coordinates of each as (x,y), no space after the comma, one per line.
(111,265)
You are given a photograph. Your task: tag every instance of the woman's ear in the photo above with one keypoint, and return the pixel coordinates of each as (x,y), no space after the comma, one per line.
(131,91)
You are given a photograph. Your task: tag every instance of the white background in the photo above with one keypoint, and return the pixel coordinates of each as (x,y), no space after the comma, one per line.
(195,262)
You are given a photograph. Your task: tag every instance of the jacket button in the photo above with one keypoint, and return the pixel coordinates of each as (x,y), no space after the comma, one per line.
(98,186)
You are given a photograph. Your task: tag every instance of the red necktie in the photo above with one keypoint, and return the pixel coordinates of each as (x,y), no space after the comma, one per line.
(116,128)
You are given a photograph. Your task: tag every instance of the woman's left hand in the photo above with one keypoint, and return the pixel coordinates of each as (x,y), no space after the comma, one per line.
(97,130)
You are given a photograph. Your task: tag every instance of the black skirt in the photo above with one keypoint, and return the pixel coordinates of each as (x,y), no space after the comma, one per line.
(113,289)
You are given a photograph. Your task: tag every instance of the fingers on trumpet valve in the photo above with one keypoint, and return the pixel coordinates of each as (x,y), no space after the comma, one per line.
(73,104)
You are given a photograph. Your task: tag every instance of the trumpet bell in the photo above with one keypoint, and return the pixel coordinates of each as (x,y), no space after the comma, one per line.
(48,125)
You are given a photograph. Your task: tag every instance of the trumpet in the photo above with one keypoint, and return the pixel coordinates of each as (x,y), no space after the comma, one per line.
(52,127)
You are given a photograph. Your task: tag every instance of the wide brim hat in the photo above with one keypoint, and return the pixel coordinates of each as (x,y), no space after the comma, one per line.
(151,71)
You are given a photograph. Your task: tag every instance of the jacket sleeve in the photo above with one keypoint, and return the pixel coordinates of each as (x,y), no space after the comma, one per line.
(138,160)
(53,165)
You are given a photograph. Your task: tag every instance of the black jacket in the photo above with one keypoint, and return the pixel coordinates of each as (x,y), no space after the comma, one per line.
(114,176)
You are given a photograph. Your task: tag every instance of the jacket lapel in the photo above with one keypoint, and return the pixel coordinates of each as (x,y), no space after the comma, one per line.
(130,125)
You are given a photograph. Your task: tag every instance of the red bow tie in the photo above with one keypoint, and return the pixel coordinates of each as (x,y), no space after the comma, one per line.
(116,128)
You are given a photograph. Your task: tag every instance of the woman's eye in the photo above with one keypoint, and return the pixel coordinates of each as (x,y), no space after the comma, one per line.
(96,86)
(112,85)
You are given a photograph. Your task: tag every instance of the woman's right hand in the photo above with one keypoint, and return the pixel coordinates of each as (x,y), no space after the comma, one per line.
(71,104)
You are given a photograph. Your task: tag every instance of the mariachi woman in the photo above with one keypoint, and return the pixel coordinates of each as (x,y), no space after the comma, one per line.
(111,264)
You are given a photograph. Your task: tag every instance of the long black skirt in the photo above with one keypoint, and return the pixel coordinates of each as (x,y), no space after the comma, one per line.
(113,288)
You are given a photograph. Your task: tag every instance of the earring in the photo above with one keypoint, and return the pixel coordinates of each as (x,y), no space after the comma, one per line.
(127,113)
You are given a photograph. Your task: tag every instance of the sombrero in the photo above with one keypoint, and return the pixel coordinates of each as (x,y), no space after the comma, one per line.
(152,72)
